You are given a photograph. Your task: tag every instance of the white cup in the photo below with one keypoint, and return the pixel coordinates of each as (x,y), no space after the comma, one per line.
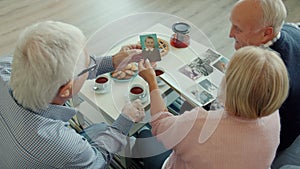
(138,91)
(158,72)
(102,83)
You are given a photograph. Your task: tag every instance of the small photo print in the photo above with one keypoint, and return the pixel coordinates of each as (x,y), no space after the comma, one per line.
(201,95)
(201,66)
(196,69)
(221,64)
(150,49)
(190,72)
(210,56)
(207,85)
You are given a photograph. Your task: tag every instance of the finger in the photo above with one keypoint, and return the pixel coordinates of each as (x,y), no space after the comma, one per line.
(136,46)
(137,103)
(131,46)
(136,58)
(153,64)
(141,65)
(147,64)
(135,55)
(133,52)
(124,48)
(142,115)
(123,64)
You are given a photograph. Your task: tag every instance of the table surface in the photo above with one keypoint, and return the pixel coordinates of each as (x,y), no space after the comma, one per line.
(110,104)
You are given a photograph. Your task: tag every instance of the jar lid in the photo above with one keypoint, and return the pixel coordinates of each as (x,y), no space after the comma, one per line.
(181,27)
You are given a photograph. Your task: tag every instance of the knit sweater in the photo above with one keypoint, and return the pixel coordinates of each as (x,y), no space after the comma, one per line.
(288,46)
(235,143)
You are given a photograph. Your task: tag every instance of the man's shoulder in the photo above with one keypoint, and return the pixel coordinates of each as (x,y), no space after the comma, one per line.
(291,28)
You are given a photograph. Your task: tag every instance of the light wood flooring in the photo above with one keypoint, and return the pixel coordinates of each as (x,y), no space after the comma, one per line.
(211,16)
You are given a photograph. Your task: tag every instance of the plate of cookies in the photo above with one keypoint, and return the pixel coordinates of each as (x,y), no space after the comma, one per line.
(130,71)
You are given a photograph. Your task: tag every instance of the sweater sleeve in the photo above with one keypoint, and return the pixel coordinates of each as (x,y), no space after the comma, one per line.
(170,129)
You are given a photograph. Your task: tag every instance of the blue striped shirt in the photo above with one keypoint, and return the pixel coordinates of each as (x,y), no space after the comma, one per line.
(42,139)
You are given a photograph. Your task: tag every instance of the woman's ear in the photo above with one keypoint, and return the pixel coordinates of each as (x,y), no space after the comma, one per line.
(66,90)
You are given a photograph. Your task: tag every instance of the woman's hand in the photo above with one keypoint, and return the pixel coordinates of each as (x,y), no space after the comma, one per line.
(147,72)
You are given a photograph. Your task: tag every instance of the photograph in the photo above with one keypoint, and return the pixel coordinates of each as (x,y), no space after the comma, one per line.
(196,69)
(221,64)
(190,72)
(210,56)
(208,85)
(201,95)
(150,49)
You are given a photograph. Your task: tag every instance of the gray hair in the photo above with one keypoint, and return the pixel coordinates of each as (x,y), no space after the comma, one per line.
(274,14)
(46,57)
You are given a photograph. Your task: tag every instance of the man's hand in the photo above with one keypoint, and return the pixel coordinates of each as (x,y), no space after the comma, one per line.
(127,54)
(134,110)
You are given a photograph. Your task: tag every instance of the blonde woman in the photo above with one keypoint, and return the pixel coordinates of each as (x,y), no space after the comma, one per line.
(245,134)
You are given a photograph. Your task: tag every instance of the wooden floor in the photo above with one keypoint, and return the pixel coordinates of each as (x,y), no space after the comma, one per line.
(211,16)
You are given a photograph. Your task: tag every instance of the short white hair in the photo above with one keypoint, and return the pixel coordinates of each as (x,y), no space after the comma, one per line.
(274,14)
(46,57)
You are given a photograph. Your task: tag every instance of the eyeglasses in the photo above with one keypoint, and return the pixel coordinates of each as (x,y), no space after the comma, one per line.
(91,67)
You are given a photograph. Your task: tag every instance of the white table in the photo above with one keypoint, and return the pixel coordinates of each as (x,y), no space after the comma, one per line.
(108,41)
(110,104)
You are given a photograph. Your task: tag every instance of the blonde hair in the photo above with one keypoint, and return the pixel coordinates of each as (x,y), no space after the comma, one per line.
(45,58)
(256,82)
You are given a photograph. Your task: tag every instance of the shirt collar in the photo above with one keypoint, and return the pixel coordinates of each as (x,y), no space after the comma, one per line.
(55,112)
(149,49)
(271,42)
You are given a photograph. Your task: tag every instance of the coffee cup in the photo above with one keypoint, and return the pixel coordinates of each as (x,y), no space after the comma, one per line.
(158,72)
(137,91)
(102,83)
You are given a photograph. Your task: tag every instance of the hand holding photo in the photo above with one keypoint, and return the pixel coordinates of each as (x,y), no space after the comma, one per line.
(150,48)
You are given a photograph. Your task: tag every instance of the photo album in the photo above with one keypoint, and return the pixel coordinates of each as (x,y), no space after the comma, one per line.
(204,71)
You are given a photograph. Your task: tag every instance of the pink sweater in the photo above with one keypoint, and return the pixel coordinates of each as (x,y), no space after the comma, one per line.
(235,144)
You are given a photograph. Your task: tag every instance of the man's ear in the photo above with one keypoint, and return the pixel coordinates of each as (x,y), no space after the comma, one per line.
(66,90)
(269,34)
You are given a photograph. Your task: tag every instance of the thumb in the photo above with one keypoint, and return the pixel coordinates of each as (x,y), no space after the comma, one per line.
(133,52)
(147,64)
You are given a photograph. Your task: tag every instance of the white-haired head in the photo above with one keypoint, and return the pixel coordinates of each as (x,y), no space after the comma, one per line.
(274,14)
(46,57)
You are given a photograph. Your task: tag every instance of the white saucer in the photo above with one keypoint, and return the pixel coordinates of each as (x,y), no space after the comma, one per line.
(144,99)
(99,91)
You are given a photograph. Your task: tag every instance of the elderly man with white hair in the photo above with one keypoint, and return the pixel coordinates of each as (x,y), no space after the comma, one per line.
(262,23)
(49,66)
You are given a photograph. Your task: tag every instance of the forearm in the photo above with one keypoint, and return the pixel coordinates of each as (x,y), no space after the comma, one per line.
(157,103)
(110,138)
(104,65)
